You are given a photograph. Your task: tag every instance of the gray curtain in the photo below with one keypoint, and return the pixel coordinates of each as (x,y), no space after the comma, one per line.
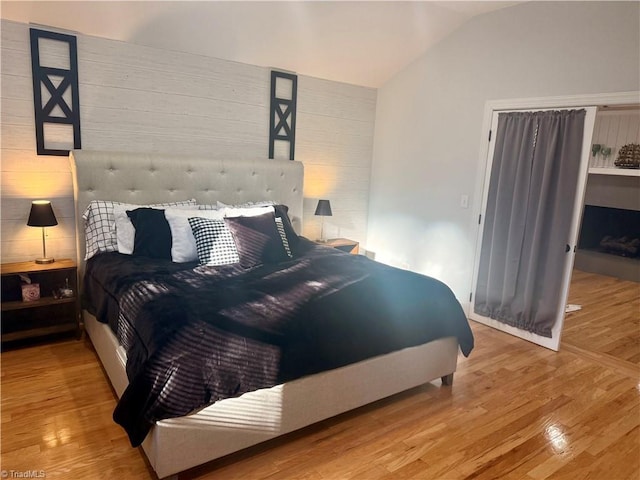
(533,183)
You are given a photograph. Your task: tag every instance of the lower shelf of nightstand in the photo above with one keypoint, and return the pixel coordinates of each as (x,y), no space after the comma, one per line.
(41,302)
(39,332)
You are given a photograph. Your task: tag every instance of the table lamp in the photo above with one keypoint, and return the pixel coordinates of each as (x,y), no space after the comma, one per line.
(323,210)
(41,215)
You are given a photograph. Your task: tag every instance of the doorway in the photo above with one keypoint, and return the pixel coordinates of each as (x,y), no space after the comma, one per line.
(492,108)
(604,298)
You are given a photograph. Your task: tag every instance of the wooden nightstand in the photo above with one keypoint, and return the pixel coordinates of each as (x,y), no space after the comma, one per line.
(47,315)
(343,244)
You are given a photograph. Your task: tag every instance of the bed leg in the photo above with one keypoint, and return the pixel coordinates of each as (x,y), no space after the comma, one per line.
(447,380)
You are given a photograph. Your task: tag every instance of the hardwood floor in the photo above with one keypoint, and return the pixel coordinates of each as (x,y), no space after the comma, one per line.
(515,411)
(609,322)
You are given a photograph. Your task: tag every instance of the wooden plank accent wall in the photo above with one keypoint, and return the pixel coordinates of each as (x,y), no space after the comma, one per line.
(138,98)
(615,128)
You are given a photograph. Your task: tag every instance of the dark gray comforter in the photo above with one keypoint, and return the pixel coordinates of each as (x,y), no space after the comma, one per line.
(196,334)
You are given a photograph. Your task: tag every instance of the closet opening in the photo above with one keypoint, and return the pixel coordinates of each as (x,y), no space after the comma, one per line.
(604,296)
(609,242)
(608,196)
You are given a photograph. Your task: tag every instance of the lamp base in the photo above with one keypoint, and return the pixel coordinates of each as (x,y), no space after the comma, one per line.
(44,261)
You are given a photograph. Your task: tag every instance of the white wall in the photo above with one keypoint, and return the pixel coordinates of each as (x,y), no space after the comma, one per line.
(429,119)
(138,98)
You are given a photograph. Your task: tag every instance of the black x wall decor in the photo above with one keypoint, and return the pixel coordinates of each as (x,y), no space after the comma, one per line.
(283,114)
(47,77)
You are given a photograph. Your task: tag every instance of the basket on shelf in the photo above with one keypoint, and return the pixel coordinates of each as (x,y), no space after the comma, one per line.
(628,156)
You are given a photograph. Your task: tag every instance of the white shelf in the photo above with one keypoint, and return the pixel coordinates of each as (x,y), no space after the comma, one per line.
(624,172)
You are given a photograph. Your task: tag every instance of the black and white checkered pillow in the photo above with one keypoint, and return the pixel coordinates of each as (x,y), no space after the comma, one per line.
(99,224)
(98,232)
(283,236)
(214,242)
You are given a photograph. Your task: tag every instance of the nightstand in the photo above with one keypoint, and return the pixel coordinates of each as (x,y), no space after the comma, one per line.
(343,244)
(54,312)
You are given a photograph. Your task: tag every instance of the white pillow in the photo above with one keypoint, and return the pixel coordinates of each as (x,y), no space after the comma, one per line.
(246,211)
(183,247)
(260,203)
(99,225)
(207,207)
(125,231)
(220,205)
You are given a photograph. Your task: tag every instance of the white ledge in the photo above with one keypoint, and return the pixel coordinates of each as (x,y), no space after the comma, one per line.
(625,172)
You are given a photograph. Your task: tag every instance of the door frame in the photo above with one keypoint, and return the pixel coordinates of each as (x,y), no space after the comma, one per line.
(482,184)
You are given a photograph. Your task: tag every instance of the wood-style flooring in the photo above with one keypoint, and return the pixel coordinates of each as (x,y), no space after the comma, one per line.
(609,322)
(515,411)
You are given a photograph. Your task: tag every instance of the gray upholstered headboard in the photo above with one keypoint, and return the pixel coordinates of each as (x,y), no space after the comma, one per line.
(142,178)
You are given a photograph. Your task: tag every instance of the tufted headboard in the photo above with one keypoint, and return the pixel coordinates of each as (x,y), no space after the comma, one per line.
(143,178)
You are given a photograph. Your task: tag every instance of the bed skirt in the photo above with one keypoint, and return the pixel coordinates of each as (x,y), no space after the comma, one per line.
(230,425)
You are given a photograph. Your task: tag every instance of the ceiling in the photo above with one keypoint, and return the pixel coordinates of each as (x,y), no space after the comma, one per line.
(361,42)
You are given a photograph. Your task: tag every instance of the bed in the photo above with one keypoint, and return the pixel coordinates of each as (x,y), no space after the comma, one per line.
(231,424)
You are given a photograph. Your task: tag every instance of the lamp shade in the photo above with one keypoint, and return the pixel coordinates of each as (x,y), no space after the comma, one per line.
(324,208)
(41,214)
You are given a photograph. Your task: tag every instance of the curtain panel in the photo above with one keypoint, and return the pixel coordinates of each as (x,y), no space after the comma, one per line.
(534,177)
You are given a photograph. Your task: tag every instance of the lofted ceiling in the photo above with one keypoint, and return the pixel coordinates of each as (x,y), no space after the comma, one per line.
(361,42)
